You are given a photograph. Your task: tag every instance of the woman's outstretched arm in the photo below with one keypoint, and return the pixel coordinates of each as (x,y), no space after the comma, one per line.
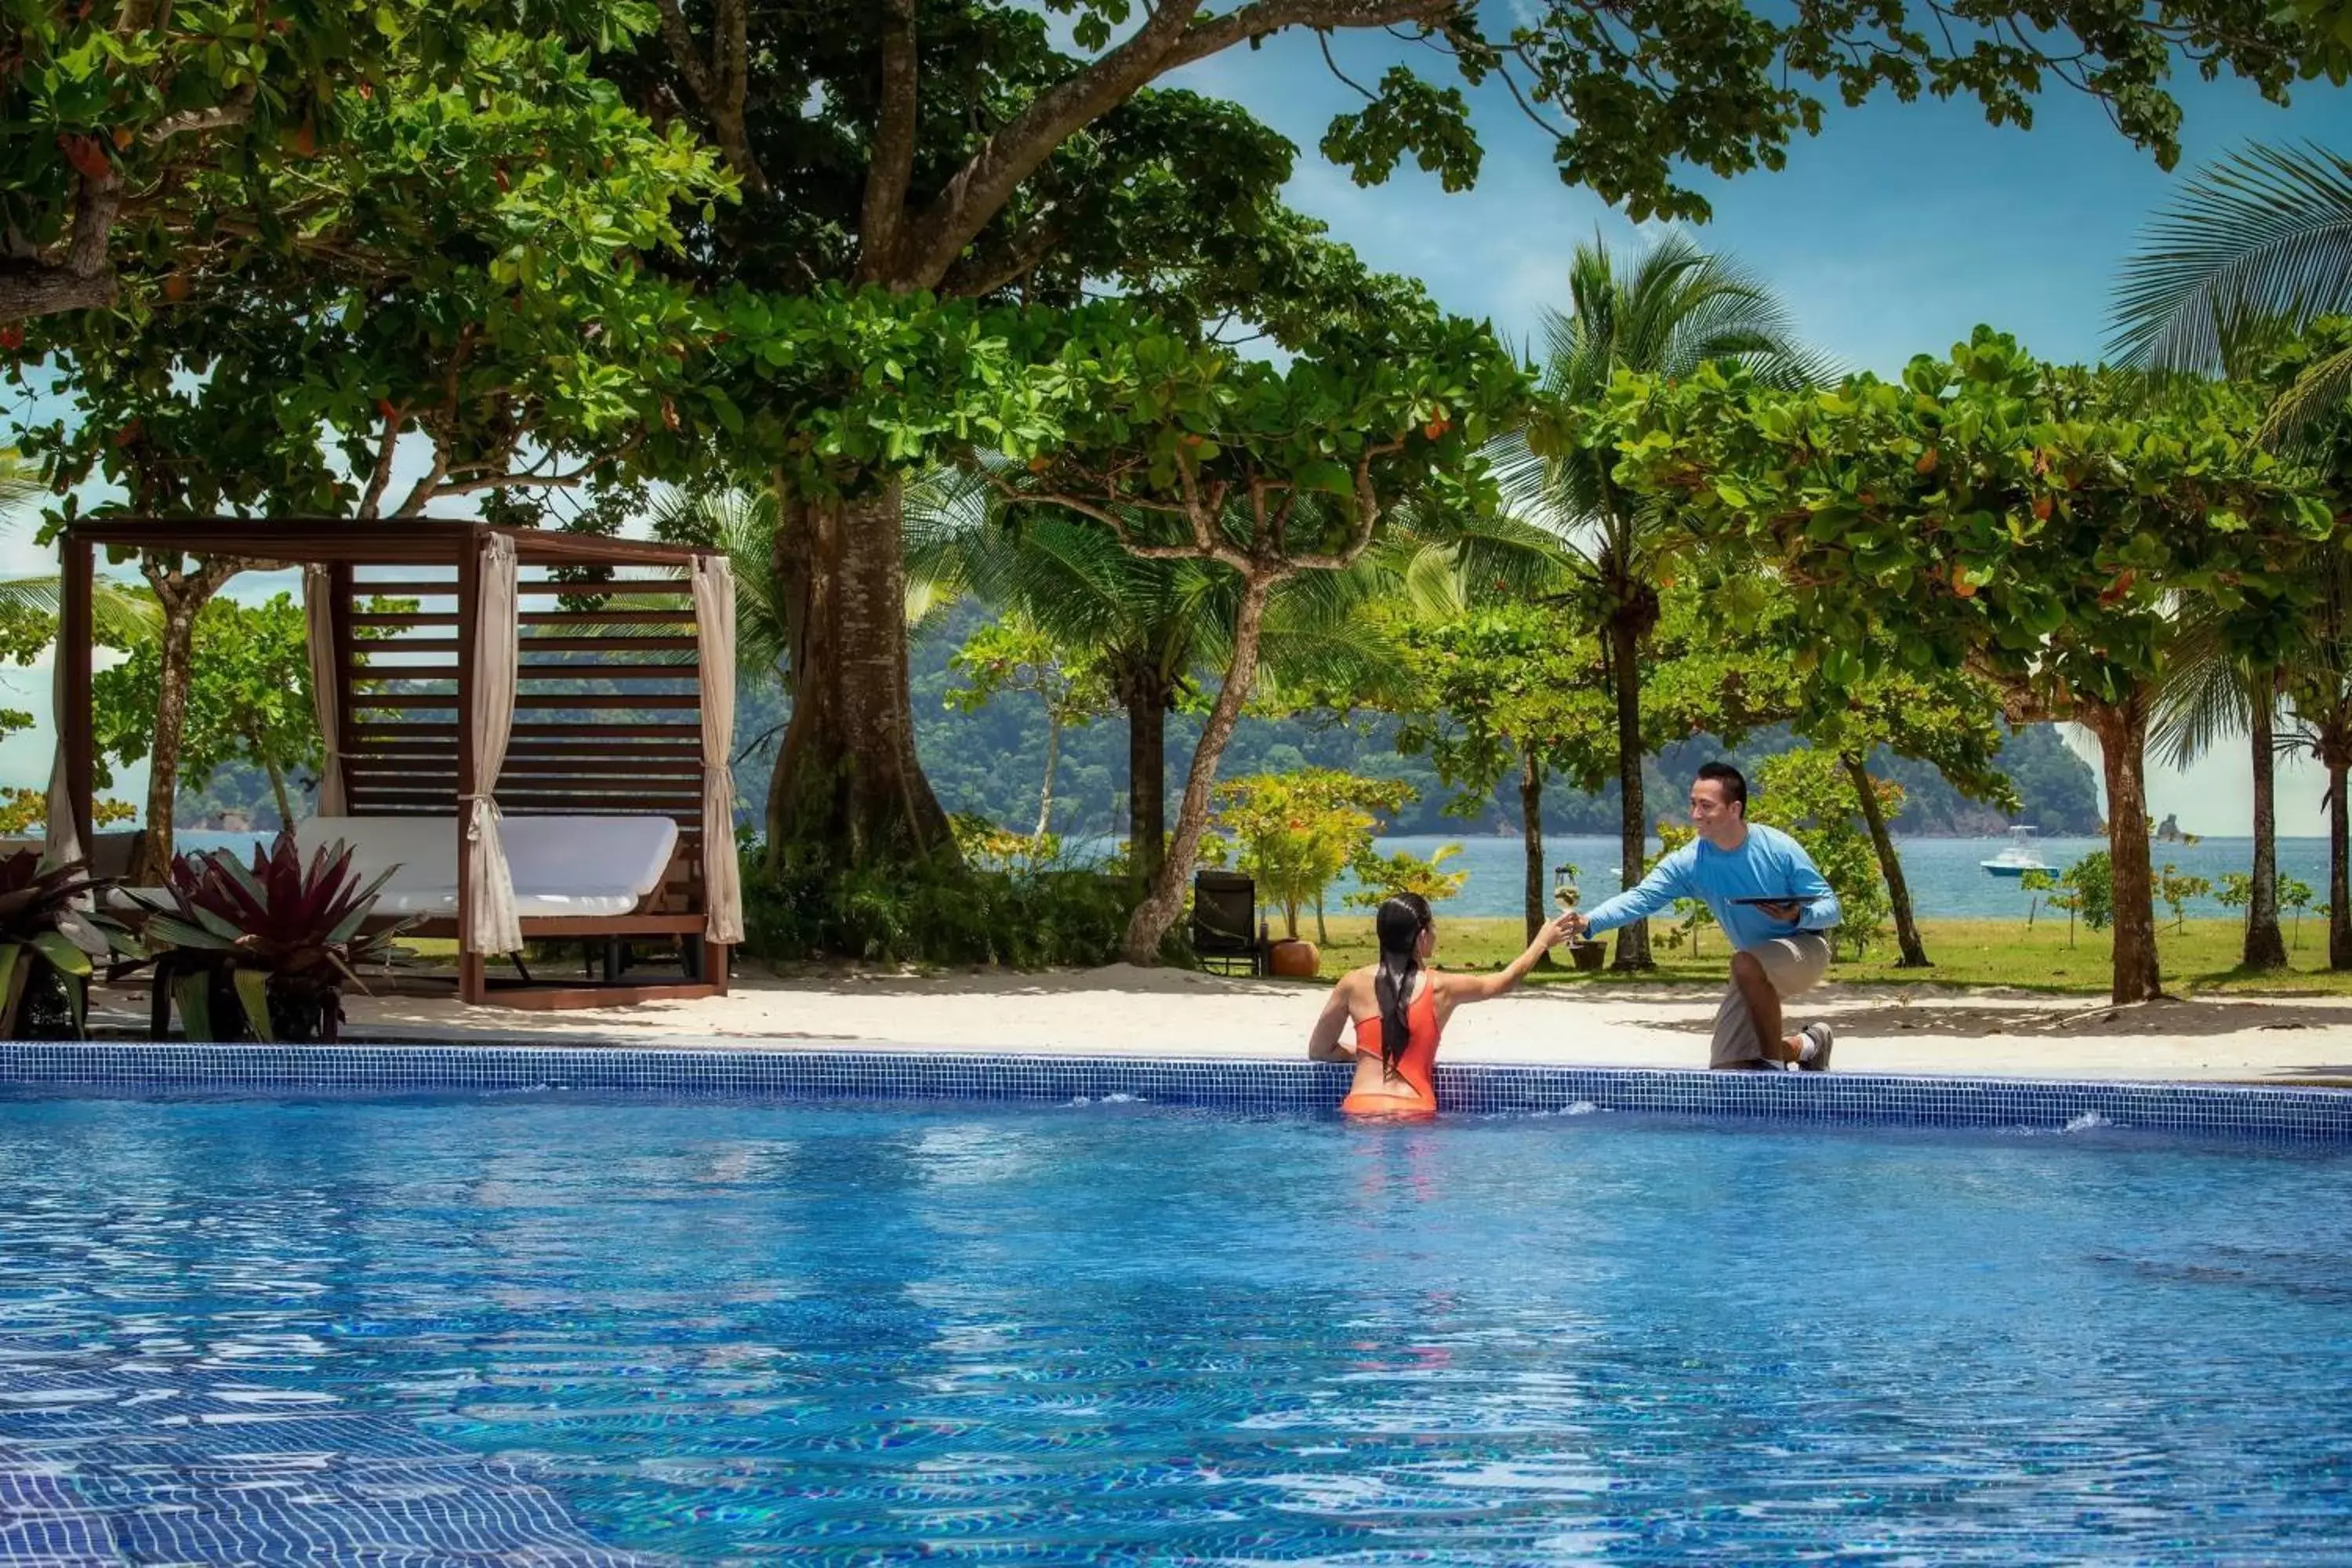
(1482,988)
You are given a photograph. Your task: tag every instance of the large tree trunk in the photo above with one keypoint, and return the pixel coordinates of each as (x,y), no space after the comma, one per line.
(1157,912)
(1890,866)
(2339,862)
(1634,827)
(1531,841)
(2265,945)
(181,593)
(2122,729)
(848,790)
(1146,700)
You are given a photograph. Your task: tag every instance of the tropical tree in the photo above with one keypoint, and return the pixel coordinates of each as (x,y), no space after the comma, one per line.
(944,152)
(248,701)
(1297,832)
(489,308)
(2278,678)
(1505,691)
(1812,795)
(2036,524)
(2319,689)
(1673,310)
(2207,697)
(1272,473)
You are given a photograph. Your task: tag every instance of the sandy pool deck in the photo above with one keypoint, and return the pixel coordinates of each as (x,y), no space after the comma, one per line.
(1908,1029)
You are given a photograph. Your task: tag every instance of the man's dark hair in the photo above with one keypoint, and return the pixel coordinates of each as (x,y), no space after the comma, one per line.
(1734,783)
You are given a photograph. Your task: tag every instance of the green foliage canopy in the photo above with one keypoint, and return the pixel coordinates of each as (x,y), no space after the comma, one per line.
(2028,520)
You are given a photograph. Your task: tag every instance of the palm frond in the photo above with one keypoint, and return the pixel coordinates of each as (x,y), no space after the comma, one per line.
(2200,703)
(20,487)
(2265,233)
(2320,388)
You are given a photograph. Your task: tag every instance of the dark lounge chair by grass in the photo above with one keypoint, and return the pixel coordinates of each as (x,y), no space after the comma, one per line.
(1225,922)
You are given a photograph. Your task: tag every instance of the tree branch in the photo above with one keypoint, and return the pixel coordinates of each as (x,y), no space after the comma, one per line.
(1368,516)
(234,109)
(976,277)
(981,187)
(890,164)
(516,482)
(719,87)
(423,491)
(1168,38)
(373,498)
(83,278)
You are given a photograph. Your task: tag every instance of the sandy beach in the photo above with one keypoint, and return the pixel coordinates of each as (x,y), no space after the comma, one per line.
(1922,1029)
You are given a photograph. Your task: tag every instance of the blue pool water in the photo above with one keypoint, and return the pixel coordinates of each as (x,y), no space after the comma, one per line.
(605,1333)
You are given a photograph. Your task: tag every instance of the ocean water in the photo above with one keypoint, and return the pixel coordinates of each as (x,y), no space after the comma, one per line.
(530,1330)
(1945,876)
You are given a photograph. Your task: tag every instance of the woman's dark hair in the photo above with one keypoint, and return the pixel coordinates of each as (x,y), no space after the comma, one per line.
(1734,783)
(1400,923)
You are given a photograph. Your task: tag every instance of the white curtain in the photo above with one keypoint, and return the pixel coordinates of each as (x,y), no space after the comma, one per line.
(61,839)
(491,924)
(714,632)
(326,678)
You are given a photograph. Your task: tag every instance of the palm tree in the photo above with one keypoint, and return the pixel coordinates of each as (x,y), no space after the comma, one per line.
(1676,309)
(2209,697)
(2257,244)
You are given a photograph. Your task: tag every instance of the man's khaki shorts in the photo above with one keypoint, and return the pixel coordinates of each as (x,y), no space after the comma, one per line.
(1795,964)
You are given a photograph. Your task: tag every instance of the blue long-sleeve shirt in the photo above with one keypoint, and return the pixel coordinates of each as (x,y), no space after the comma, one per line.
(1769,865)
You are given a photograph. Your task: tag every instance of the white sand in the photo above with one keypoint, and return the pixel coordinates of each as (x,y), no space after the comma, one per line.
(1170,1012)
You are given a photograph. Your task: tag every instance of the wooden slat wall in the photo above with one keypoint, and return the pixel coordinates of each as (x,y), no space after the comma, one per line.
(608,708)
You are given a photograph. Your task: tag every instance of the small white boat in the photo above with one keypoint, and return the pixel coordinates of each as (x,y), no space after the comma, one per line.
(2018,858)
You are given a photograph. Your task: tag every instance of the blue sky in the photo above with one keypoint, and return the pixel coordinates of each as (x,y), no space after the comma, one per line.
(1895,232)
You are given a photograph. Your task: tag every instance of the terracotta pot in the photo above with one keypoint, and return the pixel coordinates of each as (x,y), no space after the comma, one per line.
(1294,959)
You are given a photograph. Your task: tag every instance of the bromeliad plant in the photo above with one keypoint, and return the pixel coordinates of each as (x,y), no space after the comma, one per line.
(276,941)
(50,946)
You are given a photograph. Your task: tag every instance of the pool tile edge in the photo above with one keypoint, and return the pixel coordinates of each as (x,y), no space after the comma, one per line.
(2296,1114)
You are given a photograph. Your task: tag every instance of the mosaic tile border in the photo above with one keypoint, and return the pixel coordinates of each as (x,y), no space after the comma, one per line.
(2223,1111)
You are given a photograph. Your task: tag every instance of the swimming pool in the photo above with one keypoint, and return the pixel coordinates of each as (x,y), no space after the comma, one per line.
(582,1331)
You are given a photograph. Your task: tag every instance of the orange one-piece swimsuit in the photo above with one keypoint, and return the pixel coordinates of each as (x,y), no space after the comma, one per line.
(1416,1069)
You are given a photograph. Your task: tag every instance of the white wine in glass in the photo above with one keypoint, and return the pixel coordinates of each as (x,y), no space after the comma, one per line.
(1564,889)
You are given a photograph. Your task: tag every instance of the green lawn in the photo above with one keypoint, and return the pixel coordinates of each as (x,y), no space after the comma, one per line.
(2202,956)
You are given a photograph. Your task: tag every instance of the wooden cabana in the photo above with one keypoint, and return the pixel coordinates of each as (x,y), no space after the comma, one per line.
(478,704)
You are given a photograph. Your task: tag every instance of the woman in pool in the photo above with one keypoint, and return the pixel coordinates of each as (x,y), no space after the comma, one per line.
(1398,1007)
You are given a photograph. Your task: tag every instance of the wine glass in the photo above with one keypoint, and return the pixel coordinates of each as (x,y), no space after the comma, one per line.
(1564,889)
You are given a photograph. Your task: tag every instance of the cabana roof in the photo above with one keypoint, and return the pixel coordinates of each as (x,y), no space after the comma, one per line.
(376,541)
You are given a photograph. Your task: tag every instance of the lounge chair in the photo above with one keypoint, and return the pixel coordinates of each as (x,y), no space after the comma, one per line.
(1225,922)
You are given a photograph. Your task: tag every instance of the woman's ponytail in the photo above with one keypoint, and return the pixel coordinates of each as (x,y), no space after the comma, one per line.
(1400,923)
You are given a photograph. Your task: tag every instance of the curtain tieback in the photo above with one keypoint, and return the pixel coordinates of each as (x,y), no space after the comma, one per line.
(479,799)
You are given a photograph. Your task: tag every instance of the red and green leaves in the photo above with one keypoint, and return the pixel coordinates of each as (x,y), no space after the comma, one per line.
(281,921)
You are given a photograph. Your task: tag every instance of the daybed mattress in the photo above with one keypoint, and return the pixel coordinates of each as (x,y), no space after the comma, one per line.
(561,865)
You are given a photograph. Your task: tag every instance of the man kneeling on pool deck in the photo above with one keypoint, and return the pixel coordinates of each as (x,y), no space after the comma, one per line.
(1770,899)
